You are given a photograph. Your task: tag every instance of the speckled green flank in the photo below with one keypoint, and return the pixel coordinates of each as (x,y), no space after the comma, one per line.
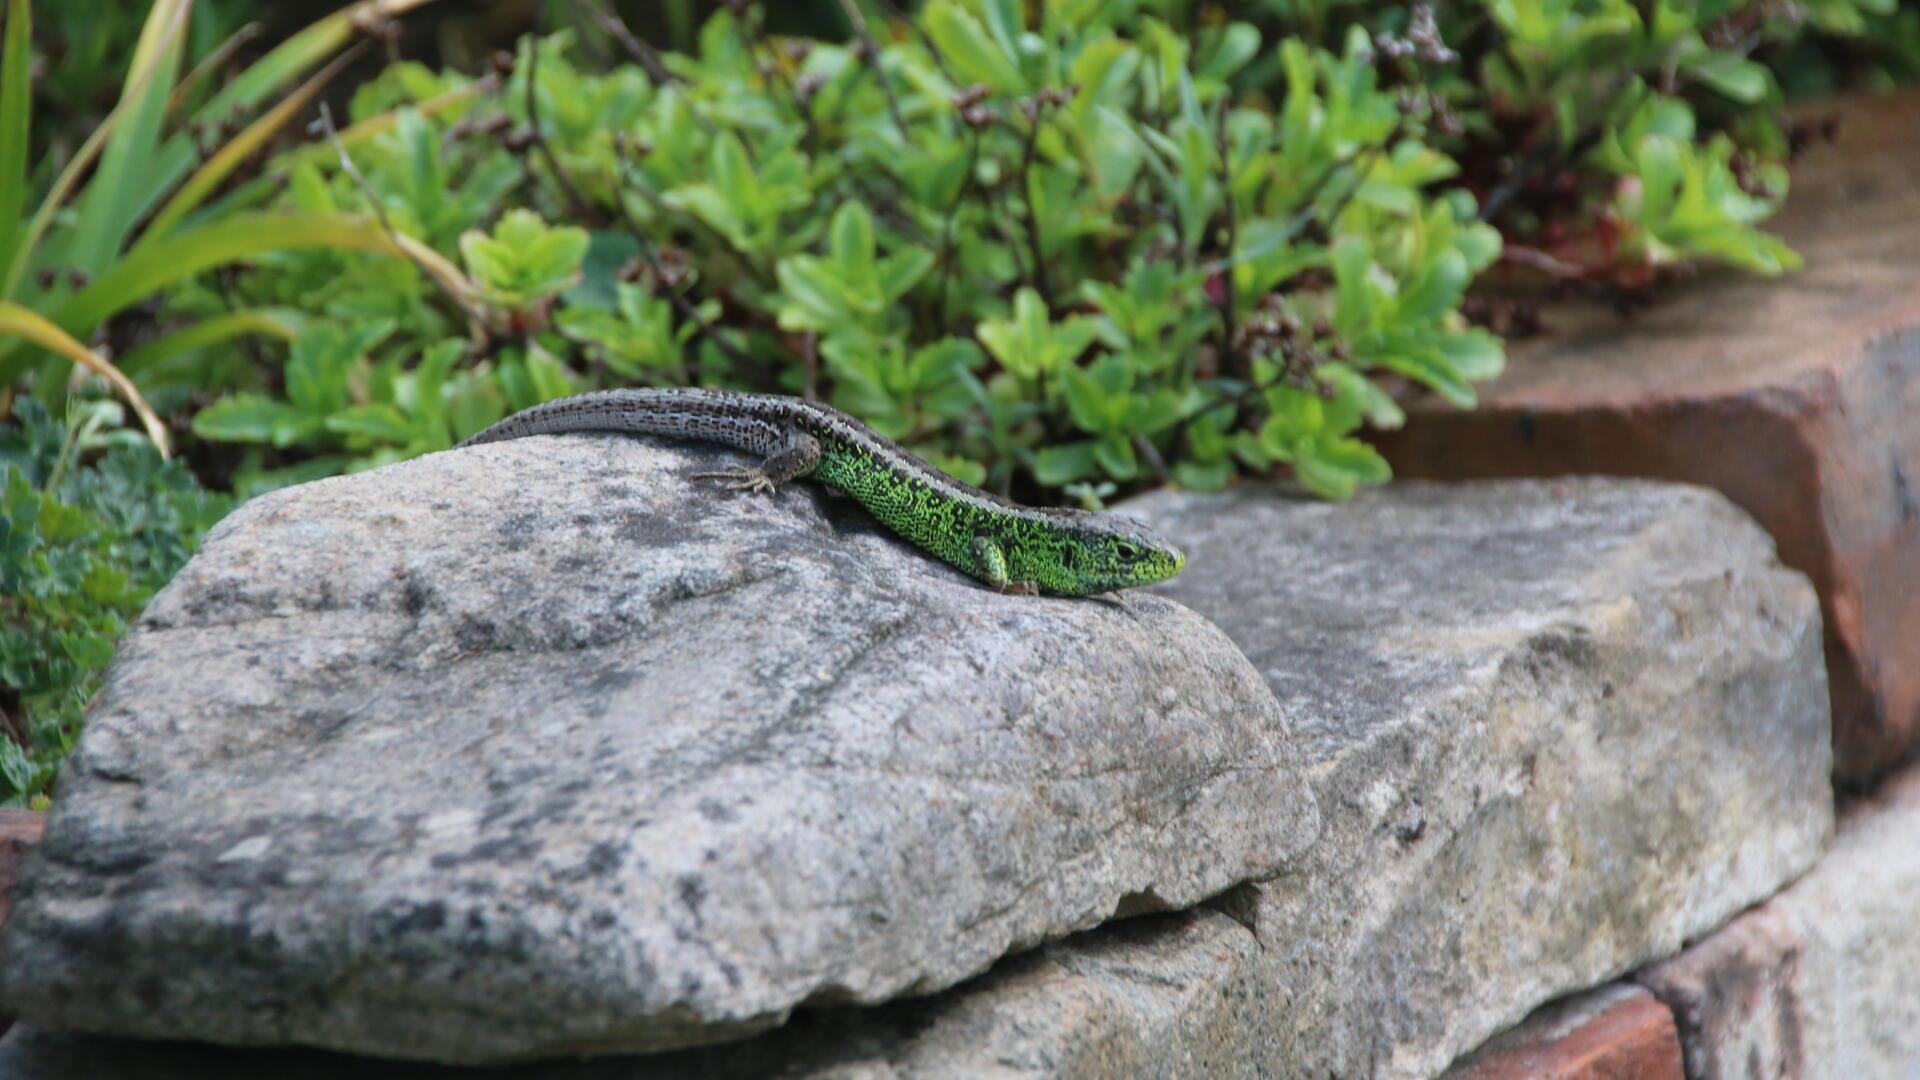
(1011,547)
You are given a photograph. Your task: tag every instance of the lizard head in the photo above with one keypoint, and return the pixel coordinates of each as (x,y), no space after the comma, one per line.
(1104,552)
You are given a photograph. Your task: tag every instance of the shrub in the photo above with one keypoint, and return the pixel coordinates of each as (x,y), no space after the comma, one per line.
(1055,266)
(1062,250)
(92,522)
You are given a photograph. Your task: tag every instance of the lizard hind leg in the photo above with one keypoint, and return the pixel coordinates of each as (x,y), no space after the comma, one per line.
(797,457)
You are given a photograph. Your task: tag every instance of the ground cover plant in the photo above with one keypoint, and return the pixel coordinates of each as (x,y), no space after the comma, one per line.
(1063,249)
(92,523)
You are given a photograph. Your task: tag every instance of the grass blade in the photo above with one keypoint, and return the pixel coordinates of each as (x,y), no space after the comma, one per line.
(28,325)
(296,55)
(220,57)
(16,112)
(235,239)
(64,184)
(115,194)
(266,322)
(228,158)
(243,236)
(354,134)
(286,62)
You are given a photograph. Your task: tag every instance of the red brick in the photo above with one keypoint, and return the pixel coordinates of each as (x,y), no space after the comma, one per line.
(19,832)
(1798,398)
(1736,997)
(1617,1033)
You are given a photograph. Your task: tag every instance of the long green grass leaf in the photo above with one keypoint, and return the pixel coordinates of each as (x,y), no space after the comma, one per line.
(183,255)
(236,239)
(265,186)
(118,189)
(28,325)
(286,62)
(297,55)
(64,185)
(211,64)
(16,112)
(228,158)
(266,322)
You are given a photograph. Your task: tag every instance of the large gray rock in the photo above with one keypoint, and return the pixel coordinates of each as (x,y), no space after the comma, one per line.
(1823,980)
(1556,729)
(545,748)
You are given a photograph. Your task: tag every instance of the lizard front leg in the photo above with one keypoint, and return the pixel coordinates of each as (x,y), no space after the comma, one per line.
(990,566)
(797,457)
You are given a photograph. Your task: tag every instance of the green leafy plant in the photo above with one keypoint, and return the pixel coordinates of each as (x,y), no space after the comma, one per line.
(124,217)
(525,263)
(1576,120)
(347,411)
(92,522)
(1061,250)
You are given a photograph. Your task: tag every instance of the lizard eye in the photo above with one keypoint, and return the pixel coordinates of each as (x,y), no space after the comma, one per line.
(1128,550)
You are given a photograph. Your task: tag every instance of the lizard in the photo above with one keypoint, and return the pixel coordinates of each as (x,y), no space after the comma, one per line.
(1013,548)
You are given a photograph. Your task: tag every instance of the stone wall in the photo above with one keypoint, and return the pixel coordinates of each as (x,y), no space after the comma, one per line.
(1452,751)
(544,758)
(1793,397)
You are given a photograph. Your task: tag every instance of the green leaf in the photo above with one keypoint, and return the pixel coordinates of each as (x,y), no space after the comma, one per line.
(1117,153)
(1418,357)
(16,111)
(120,183)
(902,271)
(1023,343)
(815,300)
(1115,454)
(1087,402)
(970,51)
(1476,354)
(1102,70)
(1203,475)
(1353,303)
(1437,291)
(733,174)
(1661,170)
(1337,468)
(965,470)
(374,422)
(1735,76)
(250,418)
(1057,465)
(1004,21)
(850,244)
(1237,44)
(524,261)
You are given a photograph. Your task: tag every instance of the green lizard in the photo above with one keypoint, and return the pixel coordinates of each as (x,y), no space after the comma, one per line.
(1010,547)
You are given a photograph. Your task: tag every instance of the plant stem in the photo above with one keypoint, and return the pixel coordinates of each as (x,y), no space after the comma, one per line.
(1033,218)
(858,19)
(680,303)
(1229,318)
(946,229)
